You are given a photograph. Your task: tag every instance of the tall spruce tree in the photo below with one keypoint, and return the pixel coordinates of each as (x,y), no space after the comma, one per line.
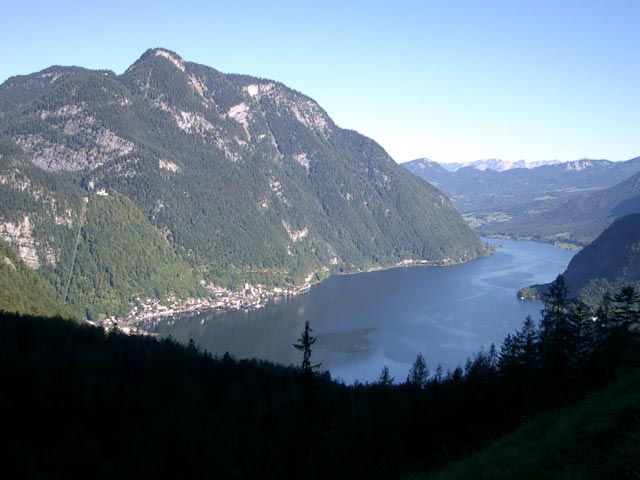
(627,316)
(527,341)
(419,373)
(626,307)
(304,344)
(385,378)
(586,333)
(557,334)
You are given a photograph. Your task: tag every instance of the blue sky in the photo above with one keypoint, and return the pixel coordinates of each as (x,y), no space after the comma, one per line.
(449,80)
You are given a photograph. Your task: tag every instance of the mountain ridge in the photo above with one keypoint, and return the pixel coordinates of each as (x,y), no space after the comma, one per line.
(246,179)
(498,165)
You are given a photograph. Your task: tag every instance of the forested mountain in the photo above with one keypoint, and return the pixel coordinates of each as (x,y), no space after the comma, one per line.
(607,264)
(108,273)
(243,178)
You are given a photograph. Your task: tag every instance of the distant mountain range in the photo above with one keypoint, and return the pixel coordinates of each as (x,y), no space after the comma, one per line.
(473,189)
(493,164)
(570,202)
(174,175)
(576,219)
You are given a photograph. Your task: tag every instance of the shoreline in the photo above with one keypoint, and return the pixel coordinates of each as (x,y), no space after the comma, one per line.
(562,245)
(252,297)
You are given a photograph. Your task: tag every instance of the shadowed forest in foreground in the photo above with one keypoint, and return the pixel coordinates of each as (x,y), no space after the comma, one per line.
(78,400)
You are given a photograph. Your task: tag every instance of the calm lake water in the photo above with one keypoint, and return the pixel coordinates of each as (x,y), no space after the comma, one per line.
(365,321)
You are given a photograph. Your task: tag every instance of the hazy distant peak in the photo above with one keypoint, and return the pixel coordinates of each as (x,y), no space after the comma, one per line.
(423,162)
(503,165)
(498,165)
(421,166)
(583,164)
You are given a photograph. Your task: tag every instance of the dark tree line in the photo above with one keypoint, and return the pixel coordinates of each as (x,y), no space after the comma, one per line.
(78,400)
(573,345)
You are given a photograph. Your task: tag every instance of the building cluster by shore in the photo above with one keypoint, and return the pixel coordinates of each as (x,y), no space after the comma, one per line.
(220,300)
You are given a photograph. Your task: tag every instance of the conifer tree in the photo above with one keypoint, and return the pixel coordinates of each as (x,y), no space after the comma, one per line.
(626,315)
(385,378)
(439,375)
(419,372)
(509,356)
(586,335)
(527,341)
(557,334)
(604,314)
(304,344)
(626,307)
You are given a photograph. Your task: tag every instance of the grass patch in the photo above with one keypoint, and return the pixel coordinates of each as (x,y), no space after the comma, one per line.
(599,438)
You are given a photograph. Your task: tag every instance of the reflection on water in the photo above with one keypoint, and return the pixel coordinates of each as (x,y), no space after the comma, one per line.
(366,321)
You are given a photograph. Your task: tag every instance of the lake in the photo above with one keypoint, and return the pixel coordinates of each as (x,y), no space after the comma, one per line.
(366,321)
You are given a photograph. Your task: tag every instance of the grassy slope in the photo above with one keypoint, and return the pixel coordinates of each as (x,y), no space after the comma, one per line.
(599,438)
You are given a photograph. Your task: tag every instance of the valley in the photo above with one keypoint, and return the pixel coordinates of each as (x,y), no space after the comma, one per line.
(564,203)
(208,275)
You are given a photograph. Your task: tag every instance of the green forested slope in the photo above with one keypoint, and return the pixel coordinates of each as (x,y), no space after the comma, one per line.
(121,256)
(118,253)
(22,291)
(607,264)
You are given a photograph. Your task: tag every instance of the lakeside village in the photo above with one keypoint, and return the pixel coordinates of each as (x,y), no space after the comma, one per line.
(149,311)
